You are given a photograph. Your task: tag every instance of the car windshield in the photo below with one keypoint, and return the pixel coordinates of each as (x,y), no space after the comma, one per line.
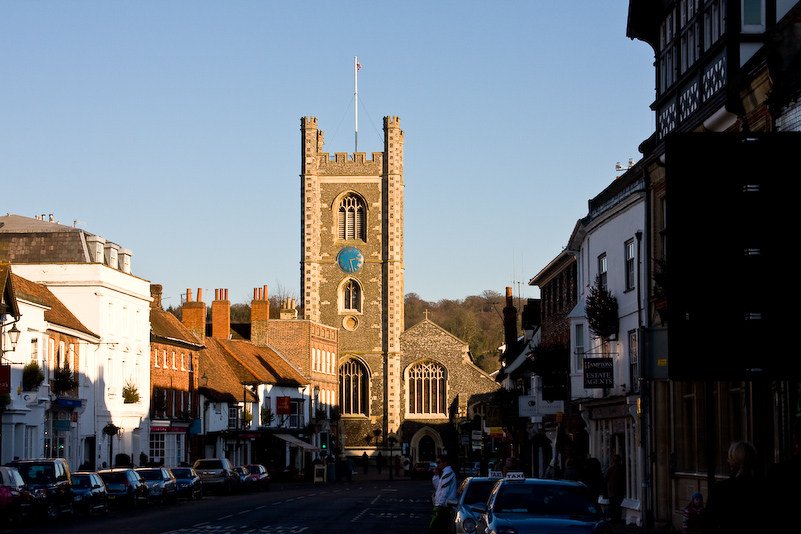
(182,473)
(81,481)
(478,491)
(541,499)
(209,464)
(37,473)
(117,477)
(150,474)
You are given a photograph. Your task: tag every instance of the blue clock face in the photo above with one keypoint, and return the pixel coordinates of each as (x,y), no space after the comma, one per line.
(350,260)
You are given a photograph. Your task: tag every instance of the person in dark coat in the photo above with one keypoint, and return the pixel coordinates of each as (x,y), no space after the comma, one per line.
(737,505)
(379,461)
(593,477)
(365,462)
(615,488)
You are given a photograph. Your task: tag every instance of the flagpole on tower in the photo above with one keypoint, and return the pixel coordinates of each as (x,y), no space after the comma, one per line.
(356,100)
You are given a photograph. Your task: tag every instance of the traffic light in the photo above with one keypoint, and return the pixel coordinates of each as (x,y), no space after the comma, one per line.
(323,441)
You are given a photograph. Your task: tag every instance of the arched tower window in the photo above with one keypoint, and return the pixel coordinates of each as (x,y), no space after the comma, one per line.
(353,388)
(352,222)
(351,296)
(427,387)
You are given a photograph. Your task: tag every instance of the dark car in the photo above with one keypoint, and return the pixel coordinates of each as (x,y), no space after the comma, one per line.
(259,476)
(162,484)
(125,487)
(15,499)
(188,482)
(217,474)
(533,505)
(49,481)
(244,483)
(90,493)
(423,469)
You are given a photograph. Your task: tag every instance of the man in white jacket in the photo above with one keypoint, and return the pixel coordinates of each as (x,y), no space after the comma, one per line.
(445,484)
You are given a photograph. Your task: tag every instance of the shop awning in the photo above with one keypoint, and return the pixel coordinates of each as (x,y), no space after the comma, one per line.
(292,440)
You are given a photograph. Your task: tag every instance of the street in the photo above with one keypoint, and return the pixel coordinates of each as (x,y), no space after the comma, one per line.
(365,505)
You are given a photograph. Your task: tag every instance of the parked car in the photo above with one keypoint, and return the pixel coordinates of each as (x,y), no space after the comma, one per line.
(49,481)
(217,474)
(90,493)
(125,487)
(259,476)
(162,484)
(530,505)
(472,490)
(15,498)
(243,479)
(188,482)
(423,469)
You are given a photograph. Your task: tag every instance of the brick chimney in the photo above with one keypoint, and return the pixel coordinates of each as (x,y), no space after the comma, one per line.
(259,317)
(194,315)
(509,321)
(221,315)
(288,310)
(155,294)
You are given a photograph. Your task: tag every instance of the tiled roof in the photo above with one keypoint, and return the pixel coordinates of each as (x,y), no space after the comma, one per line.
(8,301)
(259,364)
(57,313)
(26,240)
(166,328)
(222,383)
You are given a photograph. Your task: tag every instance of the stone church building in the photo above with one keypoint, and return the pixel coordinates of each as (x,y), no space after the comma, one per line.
(399,389)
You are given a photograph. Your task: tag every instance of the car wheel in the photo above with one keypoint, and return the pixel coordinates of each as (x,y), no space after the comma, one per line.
(52,511)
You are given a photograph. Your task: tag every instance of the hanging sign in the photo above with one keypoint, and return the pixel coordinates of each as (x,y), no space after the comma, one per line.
(598,373)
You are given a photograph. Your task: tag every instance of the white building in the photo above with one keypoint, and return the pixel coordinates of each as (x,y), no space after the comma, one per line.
(92,277)
(604,368)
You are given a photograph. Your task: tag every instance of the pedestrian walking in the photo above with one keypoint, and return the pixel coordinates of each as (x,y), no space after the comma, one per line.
(407,466)
(365,462)
(692,521)
(737,505)
(379,462)
(445,489)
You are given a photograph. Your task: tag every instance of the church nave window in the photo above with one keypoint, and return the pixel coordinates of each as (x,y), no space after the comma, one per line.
(353,388)
(351,223)
(427,389)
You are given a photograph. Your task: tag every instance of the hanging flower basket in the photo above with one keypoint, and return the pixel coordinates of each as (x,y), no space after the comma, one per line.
(111,429)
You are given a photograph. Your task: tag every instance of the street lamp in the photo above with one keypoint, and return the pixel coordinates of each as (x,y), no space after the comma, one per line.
(13,337)
(392,440)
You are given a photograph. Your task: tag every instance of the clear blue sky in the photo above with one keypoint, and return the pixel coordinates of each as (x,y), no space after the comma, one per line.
(171,127)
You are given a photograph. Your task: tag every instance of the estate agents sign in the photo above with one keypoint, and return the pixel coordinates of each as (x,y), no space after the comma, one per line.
(598,373)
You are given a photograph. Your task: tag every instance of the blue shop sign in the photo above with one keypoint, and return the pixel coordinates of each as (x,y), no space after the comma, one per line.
(69,403)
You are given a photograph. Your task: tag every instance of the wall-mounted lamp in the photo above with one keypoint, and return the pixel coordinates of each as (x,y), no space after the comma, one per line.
(13,337)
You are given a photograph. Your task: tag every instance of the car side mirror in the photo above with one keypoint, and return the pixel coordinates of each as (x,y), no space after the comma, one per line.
(451,502)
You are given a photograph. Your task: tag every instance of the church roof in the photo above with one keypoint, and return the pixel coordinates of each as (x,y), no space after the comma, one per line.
(428,324)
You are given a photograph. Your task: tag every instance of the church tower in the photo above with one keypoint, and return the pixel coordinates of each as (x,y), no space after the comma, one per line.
(352,272)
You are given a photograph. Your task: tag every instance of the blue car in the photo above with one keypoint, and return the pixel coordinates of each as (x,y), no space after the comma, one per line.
(533,505)
(472,490)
